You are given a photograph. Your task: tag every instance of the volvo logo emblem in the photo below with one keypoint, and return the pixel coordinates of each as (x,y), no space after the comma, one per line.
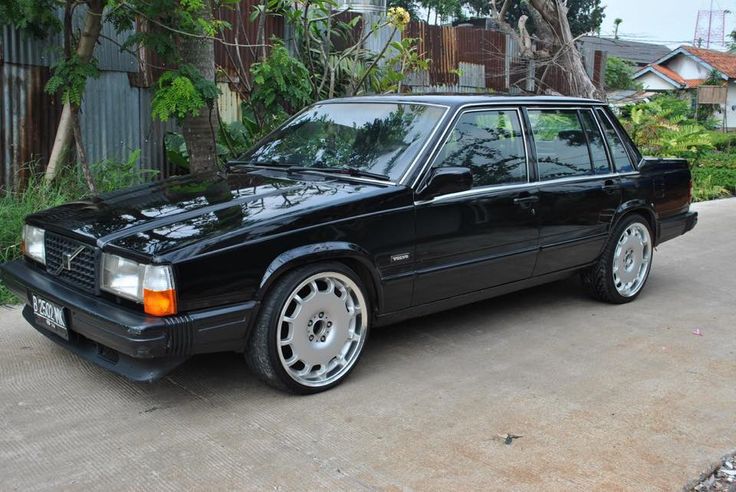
(66,260)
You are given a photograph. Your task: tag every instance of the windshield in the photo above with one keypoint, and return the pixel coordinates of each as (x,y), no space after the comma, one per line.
(378,138)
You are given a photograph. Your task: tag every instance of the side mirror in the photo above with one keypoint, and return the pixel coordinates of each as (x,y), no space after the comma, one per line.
(444,180)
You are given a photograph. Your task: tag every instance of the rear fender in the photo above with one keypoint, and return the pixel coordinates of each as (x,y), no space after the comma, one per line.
(640,206)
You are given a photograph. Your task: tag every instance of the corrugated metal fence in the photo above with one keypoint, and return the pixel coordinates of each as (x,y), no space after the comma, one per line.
(117,106)
(116,109)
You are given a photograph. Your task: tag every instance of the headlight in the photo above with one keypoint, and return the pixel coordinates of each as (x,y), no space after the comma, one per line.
(33,244)
(151,285)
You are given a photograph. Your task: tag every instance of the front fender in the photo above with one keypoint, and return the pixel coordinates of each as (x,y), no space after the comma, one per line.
(333,250)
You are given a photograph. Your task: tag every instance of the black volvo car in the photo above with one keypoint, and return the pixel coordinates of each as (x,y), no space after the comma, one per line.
(354,213)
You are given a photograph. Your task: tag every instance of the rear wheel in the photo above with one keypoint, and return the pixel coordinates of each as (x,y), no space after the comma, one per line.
(311,329)
(623,267)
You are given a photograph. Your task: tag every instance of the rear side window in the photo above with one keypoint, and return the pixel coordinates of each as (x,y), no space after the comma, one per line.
(595,142)
(490,143)
(621,159)
(562,147)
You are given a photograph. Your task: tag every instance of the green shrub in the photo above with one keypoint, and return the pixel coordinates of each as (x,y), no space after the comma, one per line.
(666,127)
(710,183)
(725,142)
(718,160)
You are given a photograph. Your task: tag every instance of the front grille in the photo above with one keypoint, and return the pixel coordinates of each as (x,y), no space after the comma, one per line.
(82,271)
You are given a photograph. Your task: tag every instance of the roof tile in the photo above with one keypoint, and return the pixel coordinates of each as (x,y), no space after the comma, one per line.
(723,62)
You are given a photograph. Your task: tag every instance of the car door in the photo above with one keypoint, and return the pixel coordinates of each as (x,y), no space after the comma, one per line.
(578,192)
(488,235)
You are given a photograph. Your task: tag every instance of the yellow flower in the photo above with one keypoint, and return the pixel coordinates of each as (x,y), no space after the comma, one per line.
(398,17)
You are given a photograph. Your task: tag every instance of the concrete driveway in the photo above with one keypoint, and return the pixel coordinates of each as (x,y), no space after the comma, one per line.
(605,397)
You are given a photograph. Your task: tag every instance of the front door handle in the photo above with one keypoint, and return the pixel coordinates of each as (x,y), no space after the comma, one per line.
(610,186)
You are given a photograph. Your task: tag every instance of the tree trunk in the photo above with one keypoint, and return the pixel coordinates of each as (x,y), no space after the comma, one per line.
(199,131)
(563,50)
(81,154)
(85,49)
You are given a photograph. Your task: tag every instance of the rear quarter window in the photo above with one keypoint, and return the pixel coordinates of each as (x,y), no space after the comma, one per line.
(621,158)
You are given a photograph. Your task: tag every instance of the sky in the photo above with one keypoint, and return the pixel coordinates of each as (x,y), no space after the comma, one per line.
(669,22)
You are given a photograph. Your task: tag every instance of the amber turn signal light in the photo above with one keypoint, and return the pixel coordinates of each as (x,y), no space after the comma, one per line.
(159,302)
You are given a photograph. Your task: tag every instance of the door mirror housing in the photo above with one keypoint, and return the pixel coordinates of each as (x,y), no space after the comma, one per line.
(444,180)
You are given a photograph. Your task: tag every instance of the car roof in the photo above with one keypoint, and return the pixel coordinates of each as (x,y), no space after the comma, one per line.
(455,100)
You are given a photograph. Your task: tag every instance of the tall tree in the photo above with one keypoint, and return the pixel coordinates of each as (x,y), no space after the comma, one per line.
(183,33)
(200,127)
(556,42)
(584,16)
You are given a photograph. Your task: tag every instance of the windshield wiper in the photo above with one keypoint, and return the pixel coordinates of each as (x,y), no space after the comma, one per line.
(266,163)
(350,171)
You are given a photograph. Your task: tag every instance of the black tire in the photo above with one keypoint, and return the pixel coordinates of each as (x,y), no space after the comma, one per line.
(599,277)
(262,350)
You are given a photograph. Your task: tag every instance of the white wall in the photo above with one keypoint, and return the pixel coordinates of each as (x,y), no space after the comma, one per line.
(687,68)
(653,82)
(730,102)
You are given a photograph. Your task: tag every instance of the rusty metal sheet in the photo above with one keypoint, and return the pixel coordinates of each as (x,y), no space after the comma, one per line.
(110,118)
(28,120)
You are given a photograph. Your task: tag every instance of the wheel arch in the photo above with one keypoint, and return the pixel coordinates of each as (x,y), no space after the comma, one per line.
(351,255)
(639,207)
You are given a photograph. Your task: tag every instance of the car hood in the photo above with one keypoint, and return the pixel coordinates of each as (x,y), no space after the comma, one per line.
(208,212)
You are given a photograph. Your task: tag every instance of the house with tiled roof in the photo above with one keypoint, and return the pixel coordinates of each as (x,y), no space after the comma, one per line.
(686,68)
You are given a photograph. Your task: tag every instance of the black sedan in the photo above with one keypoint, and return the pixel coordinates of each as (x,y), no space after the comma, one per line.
(355,213)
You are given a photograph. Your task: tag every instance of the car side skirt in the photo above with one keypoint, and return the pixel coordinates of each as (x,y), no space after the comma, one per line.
(469,298)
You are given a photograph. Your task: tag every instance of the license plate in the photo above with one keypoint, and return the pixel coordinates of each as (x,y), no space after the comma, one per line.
(50,316)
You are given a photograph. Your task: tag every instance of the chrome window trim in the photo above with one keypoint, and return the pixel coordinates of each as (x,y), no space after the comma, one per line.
(587,177)
(485,190)
(475,108)
(537,184)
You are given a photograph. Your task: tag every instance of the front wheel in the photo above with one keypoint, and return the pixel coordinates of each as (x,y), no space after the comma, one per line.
(623,267)
(311,329)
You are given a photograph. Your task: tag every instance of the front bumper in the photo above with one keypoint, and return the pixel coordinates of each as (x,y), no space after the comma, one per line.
(128,342)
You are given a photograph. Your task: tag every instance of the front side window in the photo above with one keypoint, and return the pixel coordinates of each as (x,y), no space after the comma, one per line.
(379,138)
(562,148)
(621,159)
(490,143)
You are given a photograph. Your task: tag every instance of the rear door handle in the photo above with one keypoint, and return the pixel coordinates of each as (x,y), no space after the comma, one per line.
(610,186)
(523,200)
